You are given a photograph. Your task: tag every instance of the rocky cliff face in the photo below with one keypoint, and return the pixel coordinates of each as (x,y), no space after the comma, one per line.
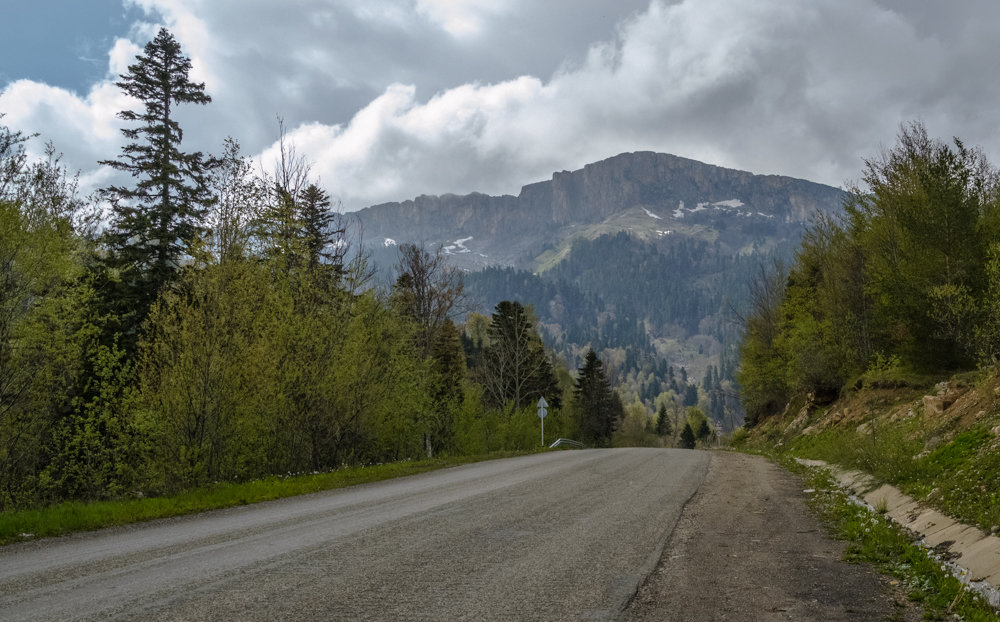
(649,194)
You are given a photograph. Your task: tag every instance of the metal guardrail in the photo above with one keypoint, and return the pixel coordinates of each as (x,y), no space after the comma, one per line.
(568,442)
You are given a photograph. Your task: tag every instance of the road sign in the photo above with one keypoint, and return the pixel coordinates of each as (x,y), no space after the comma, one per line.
(542,411)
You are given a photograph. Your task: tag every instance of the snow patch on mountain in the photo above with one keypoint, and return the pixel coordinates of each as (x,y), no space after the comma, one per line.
(651,214)
(457,247)
(729,207)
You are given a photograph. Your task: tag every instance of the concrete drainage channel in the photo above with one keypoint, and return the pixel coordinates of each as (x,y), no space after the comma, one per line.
(972,556)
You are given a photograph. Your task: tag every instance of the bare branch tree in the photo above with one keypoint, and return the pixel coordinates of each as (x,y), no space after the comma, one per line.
(431,290)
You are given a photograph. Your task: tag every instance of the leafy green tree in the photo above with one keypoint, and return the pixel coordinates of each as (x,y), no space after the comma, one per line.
(97,448)
(908,276)
(922,224)
(448,369)
(209,374)
(156,221)
(13,161)
(634,428)
(687,437)
(240,196)
(599,408)
(49,367)
(762,374)
(36,266)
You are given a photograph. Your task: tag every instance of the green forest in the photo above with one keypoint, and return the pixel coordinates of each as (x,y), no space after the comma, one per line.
(592,299)
(212,322)
(906,283)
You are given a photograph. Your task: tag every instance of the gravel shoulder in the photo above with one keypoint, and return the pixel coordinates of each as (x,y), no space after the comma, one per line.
(747,548)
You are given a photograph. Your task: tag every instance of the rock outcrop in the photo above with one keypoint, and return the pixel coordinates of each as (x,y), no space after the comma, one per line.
(674,191)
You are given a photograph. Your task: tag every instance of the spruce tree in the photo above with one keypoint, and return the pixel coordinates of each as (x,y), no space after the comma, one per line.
(663,427)
(704,431)
(516,368)
(321,228)
(155,220)
(687,437)
(598,406)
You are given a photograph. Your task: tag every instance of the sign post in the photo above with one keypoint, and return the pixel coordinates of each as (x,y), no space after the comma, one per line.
(542,406)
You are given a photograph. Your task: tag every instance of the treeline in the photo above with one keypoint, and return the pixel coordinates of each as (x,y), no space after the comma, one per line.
(216,323)
(908,281)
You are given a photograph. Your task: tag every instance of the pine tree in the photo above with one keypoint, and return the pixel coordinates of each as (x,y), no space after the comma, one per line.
(324,233)
(687,437)
(663,427)
(156,220)
(691,395)
(598,406)
(515,366)
(703,431)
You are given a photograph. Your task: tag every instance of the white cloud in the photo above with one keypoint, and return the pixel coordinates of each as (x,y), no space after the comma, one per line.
(78,126)
(122,54)
(463,18)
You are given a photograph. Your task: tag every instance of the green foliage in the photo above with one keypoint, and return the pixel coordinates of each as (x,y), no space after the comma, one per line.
(515,367)
(663,426)
(40,357)
(156,221)
(232,387)
(635,430)
(97,447)
(598,408)
(162,357)
(884,372)
(687,437)
(905,284)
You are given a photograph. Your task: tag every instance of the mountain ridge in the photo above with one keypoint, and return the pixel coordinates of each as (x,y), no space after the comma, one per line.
(659,188)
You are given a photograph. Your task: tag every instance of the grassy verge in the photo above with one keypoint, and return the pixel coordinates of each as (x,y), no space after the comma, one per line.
(949,461)
(958,477)
(873,538)
(78,516)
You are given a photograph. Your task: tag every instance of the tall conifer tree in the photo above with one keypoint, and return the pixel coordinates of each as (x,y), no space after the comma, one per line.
(157,218)
(598,405)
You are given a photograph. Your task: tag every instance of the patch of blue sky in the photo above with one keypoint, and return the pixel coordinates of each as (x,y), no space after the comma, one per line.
(62,43)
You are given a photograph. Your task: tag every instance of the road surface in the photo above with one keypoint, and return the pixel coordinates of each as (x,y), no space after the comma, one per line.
(566,535)
(562,535)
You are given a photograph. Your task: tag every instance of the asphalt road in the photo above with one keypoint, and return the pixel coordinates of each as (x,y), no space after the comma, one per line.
(564,535)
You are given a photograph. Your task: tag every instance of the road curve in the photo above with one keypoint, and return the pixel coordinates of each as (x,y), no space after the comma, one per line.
(563,535)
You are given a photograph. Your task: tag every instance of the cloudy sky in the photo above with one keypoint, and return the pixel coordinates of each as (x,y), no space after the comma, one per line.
(390,99)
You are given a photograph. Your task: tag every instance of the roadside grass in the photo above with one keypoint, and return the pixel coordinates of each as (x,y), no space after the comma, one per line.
(873,538)
(958,477)
(70,517)
(951,463)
